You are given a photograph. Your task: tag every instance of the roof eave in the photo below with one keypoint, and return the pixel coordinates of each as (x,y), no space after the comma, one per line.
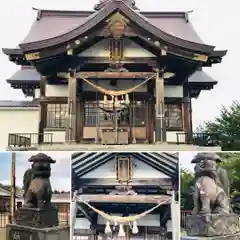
(12,51)
(219,53)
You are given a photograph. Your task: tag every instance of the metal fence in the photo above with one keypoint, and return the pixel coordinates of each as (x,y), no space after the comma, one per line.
(199,139)
(184,214)
(28,139)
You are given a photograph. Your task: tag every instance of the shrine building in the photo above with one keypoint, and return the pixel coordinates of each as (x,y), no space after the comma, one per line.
(115,75)
(130,196)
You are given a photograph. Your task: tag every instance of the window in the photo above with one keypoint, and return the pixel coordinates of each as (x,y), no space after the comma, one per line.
(56,114)
(116,49)
(91,112)
(173,113)
(103,114)
(138,113)
(124,169)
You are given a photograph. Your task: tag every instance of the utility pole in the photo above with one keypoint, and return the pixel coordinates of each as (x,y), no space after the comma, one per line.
(13,188)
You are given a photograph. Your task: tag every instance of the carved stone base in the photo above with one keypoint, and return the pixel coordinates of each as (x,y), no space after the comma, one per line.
(212,225)
(227,237)
(36,217)
(18,232)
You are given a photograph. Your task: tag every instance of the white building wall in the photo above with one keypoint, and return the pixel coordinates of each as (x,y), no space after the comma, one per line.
(54,91)
(139,170)
(171,137)
(62,90)
(17,121)
(25,120)
(57,136)
(101,49)
(173,91)
(82,223)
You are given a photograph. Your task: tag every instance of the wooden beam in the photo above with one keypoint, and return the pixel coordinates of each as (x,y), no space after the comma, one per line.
(126,198)
(72,101)
(160,126)
(53,100)
(84,211)
(43,110)
(187,113)
(164,183)
(109,74)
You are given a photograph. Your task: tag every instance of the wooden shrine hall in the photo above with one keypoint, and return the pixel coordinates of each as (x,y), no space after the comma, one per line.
(125,195)
(115,75)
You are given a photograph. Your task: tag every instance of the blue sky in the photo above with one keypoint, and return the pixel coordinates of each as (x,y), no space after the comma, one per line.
(60,170)
(215,21)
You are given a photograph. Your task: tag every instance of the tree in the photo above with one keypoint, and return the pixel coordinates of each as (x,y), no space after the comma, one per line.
(231,162)
(226,126)
(186,188)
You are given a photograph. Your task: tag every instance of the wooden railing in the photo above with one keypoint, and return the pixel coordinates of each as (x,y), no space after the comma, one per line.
(199,139)
(28,139)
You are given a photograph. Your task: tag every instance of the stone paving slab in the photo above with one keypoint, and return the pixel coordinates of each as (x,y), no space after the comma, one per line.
(130,147)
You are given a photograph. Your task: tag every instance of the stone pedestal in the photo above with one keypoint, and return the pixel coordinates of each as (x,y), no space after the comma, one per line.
(37,217)
(227,237)
(212,225)
(18,232)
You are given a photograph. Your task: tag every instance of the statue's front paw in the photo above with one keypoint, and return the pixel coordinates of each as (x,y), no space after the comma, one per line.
(205,211)
(194,211)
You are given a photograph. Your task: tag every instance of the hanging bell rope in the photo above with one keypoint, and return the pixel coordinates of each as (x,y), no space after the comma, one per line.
(115,92)
(122,219)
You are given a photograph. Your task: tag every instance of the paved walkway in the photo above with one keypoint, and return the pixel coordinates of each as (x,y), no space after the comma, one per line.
(130,147)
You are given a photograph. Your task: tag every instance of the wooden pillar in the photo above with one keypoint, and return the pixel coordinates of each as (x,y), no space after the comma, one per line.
(187,114)
(146,106)
(72,107)
(131,121)
(148,117)
(42,110)
(160,126)
(13,188)
(151,111)
(80,112)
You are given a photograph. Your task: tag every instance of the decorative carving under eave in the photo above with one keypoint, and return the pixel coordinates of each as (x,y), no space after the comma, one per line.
(200,57)
(117,24)
(116,67)
(32,56)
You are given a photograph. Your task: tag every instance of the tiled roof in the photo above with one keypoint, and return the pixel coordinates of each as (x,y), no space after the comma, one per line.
(25,74)
(17,104)
(58,23)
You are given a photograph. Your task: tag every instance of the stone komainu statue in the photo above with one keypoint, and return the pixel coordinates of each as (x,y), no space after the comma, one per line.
(210,195)
(36,182)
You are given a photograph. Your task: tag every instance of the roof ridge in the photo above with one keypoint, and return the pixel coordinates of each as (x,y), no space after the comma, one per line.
(82,13)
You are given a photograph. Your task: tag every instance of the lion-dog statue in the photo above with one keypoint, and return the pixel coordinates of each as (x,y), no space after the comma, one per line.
(210,195)
(36,182)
